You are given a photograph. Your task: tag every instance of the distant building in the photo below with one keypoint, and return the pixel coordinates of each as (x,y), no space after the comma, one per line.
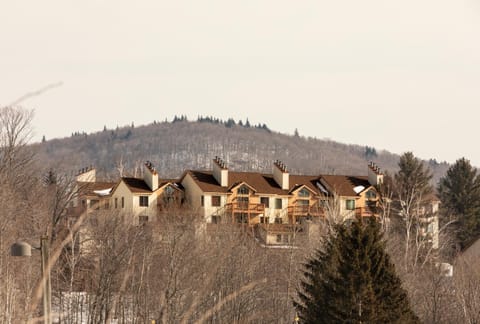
(275,207)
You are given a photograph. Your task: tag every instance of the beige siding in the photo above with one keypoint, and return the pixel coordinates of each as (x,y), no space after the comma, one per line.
(193,194)
(132,203)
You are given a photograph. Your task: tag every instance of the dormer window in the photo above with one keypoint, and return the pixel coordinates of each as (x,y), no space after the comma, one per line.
(169,190)
(243,190)
(371,194)
(304,193)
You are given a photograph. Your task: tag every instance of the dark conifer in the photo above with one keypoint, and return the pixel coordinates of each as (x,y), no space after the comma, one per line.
(459,191)
(352,280)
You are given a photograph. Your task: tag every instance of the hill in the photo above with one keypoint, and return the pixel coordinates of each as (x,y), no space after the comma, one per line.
(179,145)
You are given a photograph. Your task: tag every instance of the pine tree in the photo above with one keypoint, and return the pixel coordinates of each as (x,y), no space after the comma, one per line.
(459,191)
(352,280)
(412,178)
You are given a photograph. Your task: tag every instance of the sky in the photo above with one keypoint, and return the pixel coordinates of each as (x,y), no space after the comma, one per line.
(396,75)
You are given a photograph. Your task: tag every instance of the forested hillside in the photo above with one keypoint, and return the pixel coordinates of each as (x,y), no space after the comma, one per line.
(181,144)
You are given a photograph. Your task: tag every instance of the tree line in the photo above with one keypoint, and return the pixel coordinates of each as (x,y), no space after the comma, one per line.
(170,272)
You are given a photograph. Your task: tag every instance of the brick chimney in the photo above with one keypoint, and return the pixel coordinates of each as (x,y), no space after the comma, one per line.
(220,171)
(150,175)
(281,175)
(87,174)
(375,176)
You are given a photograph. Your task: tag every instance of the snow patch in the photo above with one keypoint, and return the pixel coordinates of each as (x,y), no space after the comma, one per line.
(358,189)
(104,192)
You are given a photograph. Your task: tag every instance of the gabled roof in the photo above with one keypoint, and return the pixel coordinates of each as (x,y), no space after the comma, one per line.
(304,180)
(136,185)
(344,185)
(173,183)
(92,188)
(298,187)
(239,184)
(262,183)
(265,184)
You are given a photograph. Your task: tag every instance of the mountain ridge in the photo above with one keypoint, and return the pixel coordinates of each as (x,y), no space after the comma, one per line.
(181,144)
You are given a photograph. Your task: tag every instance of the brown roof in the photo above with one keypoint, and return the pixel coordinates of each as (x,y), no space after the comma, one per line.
(89,188)
(265,184)
(344,185)
(304,180)
(137,185)
(261,182)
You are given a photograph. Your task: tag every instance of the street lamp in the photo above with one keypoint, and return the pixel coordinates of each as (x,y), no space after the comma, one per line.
(25,249)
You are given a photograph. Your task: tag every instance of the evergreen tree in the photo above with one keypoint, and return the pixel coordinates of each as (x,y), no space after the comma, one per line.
(459,191)
(413,178)
(352,280)
(370,152)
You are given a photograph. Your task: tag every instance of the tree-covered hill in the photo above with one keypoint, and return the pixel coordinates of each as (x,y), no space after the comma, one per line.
(182,144)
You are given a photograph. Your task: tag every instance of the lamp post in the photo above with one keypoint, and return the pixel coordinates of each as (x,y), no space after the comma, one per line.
(25,249)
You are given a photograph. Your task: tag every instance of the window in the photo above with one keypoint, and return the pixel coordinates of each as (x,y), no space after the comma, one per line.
(279,238)
(350,204)
(123,202)
(278,203)
(116,203)
(304,193)
(143,201)
(265,201)
(242,202)
(303,202)
(278,220)
(107,204)
(243,190)
(371,194)
(202,201)
(286,238)
(216,201)
(216,219)
(142,219)
(169,190)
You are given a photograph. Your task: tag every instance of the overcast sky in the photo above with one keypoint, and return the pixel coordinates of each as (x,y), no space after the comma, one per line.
(397,75)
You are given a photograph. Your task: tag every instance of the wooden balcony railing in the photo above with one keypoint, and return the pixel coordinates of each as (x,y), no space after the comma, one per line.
(299,211)
(365,212)
(244,207)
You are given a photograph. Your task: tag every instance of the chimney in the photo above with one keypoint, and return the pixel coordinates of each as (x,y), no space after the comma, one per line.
(280,175)
(375,176)
(87,174)
(150,176)
(220,171)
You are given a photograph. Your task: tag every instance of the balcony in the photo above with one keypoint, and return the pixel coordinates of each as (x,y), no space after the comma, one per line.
(245,207)
(244,212)
(365,212)
(297,211)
